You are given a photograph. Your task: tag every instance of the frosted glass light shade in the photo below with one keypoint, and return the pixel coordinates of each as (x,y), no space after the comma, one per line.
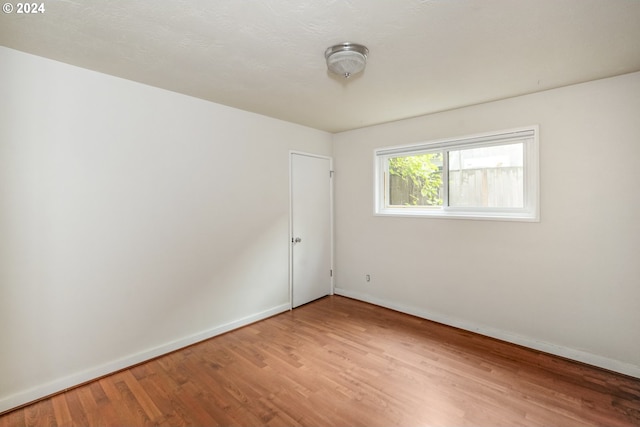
(346,59)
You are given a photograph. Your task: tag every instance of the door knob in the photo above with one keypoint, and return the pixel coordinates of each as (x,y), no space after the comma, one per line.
(297,240)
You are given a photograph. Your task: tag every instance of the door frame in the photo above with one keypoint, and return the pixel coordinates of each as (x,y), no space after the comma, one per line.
(331,220)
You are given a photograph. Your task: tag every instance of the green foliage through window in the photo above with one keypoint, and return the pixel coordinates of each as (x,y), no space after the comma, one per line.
(416,180)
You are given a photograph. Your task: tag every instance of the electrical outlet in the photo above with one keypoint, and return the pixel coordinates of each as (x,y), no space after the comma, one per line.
(367,277)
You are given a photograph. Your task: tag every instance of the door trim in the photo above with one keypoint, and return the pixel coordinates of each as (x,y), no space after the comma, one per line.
(331,220)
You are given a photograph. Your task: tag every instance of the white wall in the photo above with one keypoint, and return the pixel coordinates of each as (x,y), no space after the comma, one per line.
(133,221)
(569,284)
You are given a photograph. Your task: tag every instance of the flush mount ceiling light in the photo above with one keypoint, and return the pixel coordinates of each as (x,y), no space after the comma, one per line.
(346,59)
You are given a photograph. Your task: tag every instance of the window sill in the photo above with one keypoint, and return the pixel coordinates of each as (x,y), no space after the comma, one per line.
(522,216)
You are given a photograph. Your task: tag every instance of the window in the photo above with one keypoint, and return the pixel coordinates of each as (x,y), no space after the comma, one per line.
(489,176)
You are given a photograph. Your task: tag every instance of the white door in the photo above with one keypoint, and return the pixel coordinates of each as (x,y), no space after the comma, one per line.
(311,228)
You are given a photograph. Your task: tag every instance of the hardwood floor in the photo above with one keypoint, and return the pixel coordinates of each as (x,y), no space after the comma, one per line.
(341,362)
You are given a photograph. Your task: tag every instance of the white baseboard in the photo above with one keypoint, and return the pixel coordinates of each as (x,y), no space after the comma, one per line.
(566,352)
(61,384)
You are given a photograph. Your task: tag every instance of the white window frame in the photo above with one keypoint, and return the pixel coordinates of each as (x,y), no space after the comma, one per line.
(531,210)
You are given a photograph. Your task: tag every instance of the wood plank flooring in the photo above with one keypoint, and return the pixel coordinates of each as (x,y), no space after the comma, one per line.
(341,362)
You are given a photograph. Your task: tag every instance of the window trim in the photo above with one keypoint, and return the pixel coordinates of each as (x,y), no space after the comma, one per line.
(529,213)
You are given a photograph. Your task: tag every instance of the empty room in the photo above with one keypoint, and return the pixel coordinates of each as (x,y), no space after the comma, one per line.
(320,213)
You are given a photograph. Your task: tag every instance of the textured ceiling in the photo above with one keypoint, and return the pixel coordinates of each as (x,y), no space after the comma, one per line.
(267,56)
